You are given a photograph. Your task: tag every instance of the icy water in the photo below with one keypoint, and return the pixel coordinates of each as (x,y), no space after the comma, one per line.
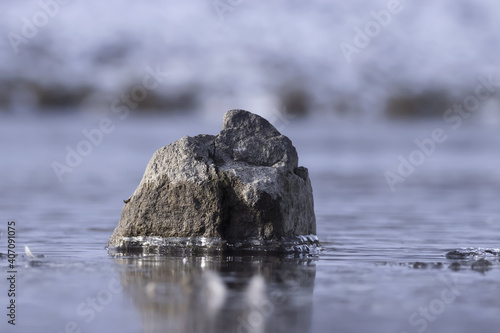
(382,269)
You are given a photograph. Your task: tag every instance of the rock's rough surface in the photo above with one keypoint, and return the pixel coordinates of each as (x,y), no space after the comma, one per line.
(240,189)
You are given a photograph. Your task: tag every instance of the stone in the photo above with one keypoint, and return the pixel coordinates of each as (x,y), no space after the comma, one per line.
(239,190)
(482,265)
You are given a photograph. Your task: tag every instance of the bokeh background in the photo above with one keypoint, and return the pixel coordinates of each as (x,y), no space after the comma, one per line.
(352,83)
(254,55)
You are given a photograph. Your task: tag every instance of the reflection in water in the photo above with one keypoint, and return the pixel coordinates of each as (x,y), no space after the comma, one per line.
(220,294)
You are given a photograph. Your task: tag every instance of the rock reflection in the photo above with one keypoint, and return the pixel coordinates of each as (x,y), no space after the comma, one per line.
(220,294)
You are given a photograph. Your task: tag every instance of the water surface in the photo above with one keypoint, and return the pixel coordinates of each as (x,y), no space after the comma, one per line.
(383,267)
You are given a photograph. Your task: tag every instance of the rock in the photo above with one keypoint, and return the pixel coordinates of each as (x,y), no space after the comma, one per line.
(471,253)
(239,190)
(419,265)
(430,103)
(482,265)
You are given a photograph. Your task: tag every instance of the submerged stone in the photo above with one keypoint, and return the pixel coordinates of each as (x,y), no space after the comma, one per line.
(241,189)
(481,265)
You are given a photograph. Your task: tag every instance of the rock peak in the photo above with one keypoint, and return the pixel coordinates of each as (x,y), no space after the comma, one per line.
(241,119)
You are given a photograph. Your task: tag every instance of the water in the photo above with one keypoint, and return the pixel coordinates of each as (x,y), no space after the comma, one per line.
(383,267)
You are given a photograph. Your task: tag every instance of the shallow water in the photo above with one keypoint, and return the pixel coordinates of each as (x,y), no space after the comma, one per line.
(382,269)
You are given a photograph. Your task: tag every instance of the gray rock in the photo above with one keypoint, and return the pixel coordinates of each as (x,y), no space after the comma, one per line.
(241,189)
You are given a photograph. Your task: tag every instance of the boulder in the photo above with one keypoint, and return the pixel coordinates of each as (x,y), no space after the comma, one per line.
(239,190)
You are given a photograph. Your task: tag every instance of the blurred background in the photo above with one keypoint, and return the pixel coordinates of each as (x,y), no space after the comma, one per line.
(349,59)
(89,90)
